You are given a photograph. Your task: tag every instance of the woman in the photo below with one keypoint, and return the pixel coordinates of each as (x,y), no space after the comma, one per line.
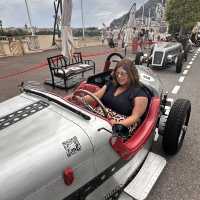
(124,95)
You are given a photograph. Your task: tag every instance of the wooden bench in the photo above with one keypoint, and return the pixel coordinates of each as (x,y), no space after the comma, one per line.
(67,69)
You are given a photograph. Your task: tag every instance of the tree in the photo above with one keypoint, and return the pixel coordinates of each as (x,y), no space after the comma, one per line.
(182,15)
(1,25)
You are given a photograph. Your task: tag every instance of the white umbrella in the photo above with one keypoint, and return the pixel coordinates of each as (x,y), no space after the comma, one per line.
(66,31)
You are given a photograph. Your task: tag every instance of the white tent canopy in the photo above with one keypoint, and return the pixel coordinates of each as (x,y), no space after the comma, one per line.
(130,25)
(66,31)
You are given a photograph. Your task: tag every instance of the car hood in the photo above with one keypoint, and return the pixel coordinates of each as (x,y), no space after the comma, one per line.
(167,44)
(31,129)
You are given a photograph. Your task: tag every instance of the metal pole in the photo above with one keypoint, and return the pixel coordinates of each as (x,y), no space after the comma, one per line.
(83,27)
(149,21)
(143,14)
(29,18)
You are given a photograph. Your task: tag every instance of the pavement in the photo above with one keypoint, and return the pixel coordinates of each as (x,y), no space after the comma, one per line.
(33,67)
(180,179)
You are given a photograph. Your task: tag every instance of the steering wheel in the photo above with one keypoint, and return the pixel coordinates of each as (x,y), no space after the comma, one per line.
(89,107)
(109,60)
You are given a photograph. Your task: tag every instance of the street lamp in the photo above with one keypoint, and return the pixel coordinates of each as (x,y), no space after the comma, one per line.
(83,26)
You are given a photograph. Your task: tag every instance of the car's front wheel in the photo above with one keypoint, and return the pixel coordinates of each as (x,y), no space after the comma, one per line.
(176,126)
(179,64)
(138,58)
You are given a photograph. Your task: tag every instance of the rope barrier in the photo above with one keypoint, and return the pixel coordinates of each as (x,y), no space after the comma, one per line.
(44,64)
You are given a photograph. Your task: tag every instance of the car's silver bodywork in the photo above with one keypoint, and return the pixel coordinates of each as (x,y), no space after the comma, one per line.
(40,138)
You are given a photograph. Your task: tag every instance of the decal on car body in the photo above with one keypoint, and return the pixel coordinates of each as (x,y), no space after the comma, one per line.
(148,78)
(72,146)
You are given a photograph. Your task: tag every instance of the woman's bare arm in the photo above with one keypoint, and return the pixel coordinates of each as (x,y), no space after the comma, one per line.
(140,105)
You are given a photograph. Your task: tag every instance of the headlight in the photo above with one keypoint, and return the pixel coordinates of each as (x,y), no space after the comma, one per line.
(169,57)
(145,55)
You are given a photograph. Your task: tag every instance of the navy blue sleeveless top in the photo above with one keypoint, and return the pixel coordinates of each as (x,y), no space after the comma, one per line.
(122,103)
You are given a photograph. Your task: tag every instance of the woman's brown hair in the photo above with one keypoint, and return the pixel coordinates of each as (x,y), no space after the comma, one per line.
(130,68)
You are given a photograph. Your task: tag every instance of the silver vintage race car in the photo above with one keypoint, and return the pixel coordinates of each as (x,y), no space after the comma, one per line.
(60,149)
(163,55)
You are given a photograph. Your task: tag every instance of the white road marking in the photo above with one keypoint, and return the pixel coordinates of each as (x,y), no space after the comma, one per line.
(181,79)
(188,66)
(176,89)
(193,59)
(190,63)
(185,72)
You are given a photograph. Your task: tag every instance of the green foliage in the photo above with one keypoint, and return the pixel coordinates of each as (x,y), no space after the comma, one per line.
(182,15)
(91,31)
(45,32)
(15,32)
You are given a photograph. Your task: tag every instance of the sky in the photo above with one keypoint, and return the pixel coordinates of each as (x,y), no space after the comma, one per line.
(95,12)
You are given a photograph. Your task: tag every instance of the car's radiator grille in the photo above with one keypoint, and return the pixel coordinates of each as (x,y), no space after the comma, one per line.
(18,115)
(157,60)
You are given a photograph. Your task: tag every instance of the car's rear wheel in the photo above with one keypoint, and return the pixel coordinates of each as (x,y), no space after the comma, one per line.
(176,126)
(179,64)
(138,58)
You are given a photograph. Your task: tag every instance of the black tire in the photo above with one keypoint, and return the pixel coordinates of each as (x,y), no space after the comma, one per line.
(149,62)
(186,51)
(137,58)
(179,64)
(176,126)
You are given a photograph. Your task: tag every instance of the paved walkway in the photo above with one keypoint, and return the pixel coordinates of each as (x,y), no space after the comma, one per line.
(33,67)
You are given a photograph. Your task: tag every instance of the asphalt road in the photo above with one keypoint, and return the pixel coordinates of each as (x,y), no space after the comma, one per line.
(181,179)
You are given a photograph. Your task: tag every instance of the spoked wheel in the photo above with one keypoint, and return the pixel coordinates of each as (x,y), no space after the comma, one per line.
(176,126)
(82,92)
(113,57)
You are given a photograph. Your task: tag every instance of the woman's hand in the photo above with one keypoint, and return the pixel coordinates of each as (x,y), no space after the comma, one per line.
(113,122)
(77,98)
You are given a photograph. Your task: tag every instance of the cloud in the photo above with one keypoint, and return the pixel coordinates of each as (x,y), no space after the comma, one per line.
(95,12)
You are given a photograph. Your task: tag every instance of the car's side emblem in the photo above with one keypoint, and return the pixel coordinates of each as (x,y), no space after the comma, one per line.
(72,146)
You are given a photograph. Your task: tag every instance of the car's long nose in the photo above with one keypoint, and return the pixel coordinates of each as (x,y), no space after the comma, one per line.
(36,145)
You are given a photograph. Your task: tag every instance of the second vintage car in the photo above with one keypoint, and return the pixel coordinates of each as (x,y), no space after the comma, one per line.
(163,55)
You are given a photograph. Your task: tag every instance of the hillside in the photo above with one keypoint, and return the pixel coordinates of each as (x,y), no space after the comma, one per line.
(151,4)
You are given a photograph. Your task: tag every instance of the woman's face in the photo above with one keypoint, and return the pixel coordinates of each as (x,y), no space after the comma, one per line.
(122,76)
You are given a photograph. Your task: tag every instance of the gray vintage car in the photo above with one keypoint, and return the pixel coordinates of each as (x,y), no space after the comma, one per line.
(163,55)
